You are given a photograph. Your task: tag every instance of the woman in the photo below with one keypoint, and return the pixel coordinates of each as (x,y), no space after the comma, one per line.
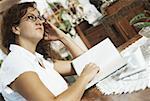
(25,74)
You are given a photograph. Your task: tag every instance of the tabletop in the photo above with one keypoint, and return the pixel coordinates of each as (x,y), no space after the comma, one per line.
(93,94)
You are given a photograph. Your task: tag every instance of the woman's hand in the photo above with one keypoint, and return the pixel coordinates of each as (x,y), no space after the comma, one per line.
(52,33)
(90,71)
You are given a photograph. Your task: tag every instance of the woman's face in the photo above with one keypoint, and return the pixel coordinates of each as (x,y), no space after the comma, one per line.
(31,25)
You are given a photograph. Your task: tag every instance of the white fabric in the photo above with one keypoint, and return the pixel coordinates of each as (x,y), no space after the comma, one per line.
(135,82)
(91,13)
(2,55)
(21,60)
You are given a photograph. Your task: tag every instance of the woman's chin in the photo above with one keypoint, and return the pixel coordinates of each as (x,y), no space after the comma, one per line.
(39,37)
(40,32)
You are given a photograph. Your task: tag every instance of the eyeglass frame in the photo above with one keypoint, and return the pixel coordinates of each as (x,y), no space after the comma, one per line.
(34,18)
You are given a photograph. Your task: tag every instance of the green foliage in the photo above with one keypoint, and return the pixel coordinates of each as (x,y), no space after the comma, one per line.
(137,18)
(141,25)
(140,21)
(62,27)
(1,62)
(68,25)
(51,5)
(65,24)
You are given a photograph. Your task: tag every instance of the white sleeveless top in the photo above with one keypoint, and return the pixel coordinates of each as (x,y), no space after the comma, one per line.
(20,60)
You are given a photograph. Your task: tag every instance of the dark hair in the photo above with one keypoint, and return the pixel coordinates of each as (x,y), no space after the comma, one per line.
(12,18)
(44,48)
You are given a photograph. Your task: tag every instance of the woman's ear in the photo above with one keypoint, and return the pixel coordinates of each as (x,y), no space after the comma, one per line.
(16,30)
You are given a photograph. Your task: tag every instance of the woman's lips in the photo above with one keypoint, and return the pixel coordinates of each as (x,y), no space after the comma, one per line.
(39,28)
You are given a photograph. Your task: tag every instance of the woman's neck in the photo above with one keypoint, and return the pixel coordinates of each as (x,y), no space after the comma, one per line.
(30,46)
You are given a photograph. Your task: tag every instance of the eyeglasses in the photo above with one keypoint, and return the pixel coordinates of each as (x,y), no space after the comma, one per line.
(34,18)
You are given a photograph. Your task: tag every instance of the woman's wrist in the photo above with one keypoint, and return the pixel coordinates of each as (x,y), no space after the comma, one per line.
(64,39)
(84,78)
(83,81)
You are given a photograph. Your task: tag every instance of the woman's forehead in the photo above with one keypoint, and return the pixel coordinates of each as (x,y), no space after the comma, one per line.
(32,10)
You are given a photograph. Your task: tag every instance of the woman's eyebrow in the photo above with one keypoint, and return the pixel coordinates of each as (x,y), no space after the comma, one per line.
(33,14)
(28,14)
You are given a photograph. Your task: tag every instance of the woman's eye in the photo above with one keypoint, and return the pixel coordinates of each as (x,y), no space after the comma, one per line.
(31,17)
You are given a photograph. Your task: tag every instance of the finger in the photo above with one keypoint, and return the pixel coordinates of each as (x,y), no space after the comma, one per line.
(46,36)
(92,65)
(53,26)
(97,69)
(47,31)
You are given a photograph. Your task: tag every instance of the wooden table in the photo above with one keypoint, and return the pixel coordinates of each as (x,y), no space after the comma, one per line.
(94,94)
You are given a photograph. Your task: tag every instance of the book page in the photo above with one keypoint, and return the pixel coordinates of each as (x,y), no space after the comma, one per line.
(105,55)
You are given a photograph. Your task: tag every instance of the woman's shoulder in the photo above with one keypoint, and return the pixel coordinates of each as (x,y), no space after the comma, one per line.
(13,66)
(15,62)
(13,58)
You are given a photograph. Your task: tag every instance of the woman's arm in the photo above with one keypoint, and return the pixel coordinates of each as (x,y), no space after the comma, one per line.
(57,34)
(74,49)
(64,67)
(75,92)
(30,86)
(53,33)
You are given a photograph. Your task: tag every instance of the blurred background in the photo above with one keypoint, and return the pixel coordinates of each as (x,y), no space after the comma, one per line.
(88,22)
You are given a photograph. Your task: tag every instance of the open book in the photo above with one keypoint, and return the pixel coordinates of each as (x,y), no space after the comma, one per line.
(105,55)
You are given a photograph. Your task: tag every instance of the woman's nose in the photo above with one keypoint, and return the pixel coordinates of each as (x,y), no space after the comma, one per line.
(39,22)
